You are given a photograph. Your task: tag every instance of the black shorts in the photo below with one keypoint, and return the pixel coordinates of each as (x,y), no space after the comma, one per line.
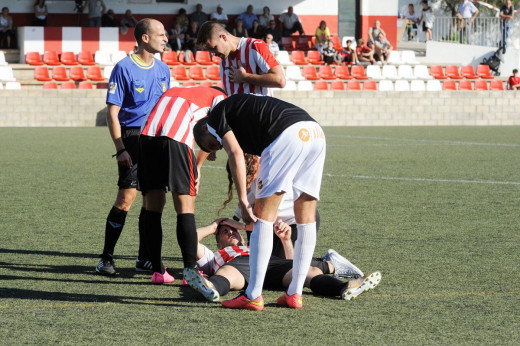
(128,176)
(166,164)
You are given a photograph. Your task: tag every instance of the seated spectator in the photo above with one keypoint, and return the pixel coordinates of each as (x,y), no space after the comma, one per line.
(191,37)
(199,16)
(349,55)
(273,46)
(182,19)
(513,83)
(277,34)
(239,30)
(265,18)
(364,52)
(322,36)
(411,22)
(40,13)
(374,31)
(248,17)
(382,48)
(256,31)
(177,37)
(6,29)
(108,19)
(290,23)
(219,16)
(329,54)
(128,21)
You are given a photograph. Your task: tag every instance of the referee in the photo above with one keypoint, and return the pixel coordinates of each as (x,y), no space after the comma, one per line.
(136,83)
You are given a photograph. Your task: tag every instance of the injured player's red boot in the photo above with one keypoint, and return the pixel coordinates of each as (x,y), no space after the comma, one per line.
(242,302)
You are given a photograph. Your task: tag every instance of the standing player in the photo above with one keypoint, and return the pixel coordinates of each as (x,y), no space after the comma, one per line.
(166,160)
(135,85)
(247,66)
(292,149)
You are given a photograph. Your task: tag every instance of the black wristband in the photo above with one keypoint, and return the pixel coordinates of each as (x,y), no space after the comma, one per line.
(119,152)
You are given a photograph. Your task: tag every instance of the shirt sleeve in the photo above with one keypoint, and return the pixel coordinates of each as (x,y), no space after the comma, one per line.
(205,263)
(116,87)
(264,58)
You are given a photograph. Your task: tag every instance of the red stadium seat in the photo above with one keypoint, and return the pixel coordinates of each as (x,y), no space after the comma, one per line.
(337,85)
(468,72)
(437,72)
(170,58)
(86,58)
(213,72)
(354,85)
(59,73)
(309,72)
(41,73)
(76,73)
(202,57)
(465,85)
(179,72)
(50,85)
(68,58)
(452,71)
(341,72)
(369,85)
(206,84)
(321,85)
(216,60)
(33,58)
(50,57)
(358,72)
(190,83)
(68,85)
(314,57)
(298,57)
(94,73)
(85,85)
(449,85)
(496,85)
(197,73)
(184,61)
(303,43)
(481,85)
(337,43)
(326,72)
(484,72)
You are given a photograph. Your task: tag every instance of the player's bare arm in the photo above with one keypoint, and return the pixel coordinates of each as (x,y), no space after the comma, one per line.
(284,231)
(274,78)
(203,232)
(115,132)
(201,157)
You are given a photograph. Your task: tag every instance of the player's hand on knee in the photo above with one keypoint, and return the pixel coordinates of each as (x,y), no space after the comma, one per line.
(124,159)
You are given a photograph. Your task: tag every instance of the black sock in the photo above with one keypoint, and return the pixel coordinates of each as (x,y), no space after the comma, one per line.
(321,264)
(143,247)
(153,227)
(114,226)
(221,284)
(327,285)
(187,239)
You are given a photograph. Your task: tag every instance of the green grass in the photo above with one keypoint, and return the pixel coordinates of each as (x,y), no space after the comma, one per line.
(446,238)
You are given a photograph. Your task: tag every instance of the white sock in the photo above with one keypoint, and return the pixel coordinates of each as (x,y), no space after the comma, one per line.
(303,250)
(260,248)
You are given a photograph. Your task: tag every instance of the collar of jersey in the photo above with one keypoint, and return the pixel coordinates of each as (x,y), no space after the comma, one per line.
(140,63)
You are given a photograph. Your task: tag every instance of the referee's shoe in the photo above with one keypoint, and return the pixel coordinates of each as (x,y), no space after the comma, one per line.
(106,267)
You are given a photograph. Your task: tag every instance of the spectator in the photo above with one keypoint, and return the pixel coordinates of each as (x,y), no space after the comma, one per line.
(290,23)
(182,19)
(411,22)
(322,36)
(219,16)
(349,54)
(273,46)
(374,31)
(265,18)
(176,39)
(128,21)
(513,83)
(382,48)
(256,31)
(40,13)
(507,13)
(239,30)
(96,8)
(199,16)
(427,19)
(277,34)
(247,17)
(364,52)
(191,37)
(6,29)
(329,54)
(467,12)
(108,19)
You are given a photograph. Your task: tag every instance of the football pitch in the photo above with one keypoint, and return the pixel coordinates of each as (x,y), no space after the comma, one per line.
(435,209)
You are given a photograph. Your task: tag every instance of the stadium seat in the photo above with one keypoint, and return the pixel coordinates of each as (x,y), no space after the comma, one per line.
(33,58)
(197,73)
(13,86)
(290,85)
(68,85)
(337,43)
(325,72)
(102,86)
(321,85)
(170,58)
(421,72)
(206,83)
(452,71)
(76,73)
(402,85)
(288,43)
(449,85)
(202,57)
(117,56)
(433,85)
(468,72)
(465,85)
(417,85)
(188,61)
(309,72)
(389,72)
(216,60)
(6,74)
(179,72)
(305,85)
(496,85)
(102,58)
(367,85)
(355,85)
(41,73)
(405,72)
(373,72)
(157,56)
(358,72)
(386,85)
(85,85)
(437,72)
(50,85)
(314,57)
(94,73)
(59,73)
(85,58)
(394,58)
(2,59)
(283,58)
(342,72)
(337,85)
(484,72)
(189,84)
(107,71)
(68,58)
(303,43)
(213,72)
(50,57)
(481,85)
(408,57)
(293,73)
(298,57)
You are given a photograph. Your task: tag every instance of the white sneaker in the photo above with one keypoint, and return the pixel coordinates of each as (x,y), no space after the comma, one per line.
(368,282)
(200,284)
(342,267)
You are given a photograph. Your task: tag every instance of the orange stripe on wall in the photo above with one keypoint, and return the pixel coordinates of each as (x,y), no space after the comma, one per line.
(311,22)
(388,24)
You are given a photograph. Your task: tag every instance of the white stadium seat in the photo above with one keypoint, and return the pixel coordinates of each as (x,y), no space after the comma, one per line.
(417,85)
(374,72)
(290,85)
(408,57)
(6,74)
(103,58)
(2,59)
(305,85)
(13,86)
(394,58)
(390,72)
(405,72)
(283,58)
(421,72)
(402,85)
(107,71)
(386,85)
(119,55)
(433,85)
(294,73)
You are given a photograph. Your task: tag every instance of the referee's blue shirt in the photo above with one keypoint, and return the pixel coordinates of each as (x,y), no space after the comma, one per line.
(136,88)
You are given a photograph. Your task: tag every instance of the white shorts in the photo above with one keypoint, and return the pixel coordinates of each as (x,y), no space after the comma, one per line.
(293,162)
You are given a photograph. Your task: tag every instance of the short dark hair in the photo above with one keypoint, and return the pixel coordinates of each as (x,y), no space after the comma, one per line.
(515,71)
(207,30)
(142,27)
(198,132)
(424,2)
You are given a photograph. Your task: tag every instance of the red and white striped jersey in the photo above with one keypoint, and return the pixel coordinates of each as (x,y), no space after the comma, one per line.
(178,110)
(212,261)
(255,57)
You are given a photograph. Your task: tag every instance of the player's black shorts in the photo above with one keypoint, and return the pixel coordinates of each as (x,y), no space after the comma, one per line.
(165,163)
(128,176)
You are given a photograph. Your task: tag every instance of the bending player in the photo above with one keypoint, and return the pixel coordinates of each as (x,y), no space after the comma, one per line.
(292,149)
